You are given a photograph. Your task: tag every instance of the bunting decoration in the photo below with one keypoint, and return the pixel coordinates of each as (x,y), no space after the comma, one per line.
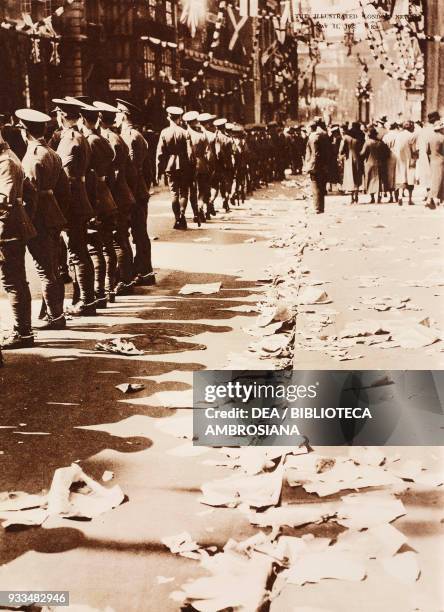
(248,8)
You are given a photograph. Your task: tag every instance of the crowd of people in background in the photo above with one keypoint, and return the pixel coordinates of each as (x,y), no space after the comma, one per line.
(75,187)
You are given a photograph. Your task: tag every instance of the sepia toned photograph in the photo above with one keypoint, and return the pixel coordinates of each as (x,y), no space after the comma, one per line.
(221,305)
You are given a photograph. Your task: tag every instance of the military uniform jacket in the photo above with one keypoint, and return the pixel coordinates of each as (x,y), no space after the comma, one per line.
(224,151)
(75,154)
(100,167)
(211,137)
(172,150)
(117,179)
(43,169)
(198,151)
(14,222)
(138,151)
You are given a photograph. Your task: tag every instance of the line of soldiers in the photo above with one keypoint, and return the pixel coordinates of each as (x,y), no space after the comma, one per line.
(202,157)
(74,202)
(78,196)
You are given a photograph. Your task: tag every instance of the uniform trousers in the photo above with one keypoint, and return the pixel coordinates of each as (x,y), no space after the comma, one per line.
(178,183)
(139,233)
(15,284)
(103,255)
(80,262)
(44,250)
(123,249)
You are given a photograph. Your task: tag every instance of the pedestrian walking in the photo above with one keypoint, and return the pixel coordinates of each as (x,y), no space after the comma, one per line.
(425,136)
(199,175)
(318,163)
(435,152)
(405,152)
(350,150)
(223,176)
(374,154)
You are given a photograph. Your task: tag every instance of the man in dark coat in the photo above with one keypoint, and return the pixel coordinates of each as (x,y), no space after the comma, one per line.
(318,163)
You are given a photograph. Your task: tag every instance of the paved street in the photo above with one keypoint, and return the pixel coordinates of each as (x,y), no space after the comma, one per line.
(59,402)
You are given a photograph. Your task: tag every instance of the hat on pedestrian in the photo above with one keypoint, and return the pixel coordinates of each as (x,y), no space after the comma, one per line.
(126,107)
(190,116)
(229,126)
(205,117)
(174,111)
(219,122)
(433,117)
(29,116)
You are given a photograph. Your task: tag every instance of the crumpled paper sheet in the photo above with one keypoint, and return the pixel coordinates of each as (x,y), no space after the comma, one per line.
(120,346)
(258,491)
(24,509)
(97,500)
(383,540)
(329,563)
(404,567)
(182,544)
(313,295)
(204,288)
(293,515)
(236,582)
(365,510)
(130,387)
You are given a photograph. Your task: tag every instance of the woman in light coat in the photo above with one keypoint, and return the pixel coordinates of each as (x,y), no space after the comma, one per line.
(350,150)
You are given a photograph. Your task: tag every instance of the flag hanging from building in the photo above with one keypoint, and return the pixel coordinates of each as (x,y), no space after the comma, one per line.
(248,8)
(237,27)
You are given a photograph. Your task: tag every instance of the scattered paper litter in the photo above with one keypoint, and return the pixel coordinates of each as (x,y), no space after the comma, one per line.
(107,475)
(258,491)
(121,346)
(403,566)
(177,426)
(383,540)
(415,336)
(19,500)
(365,510)
(205,288)
(236,582)
(130,387)
(34,516)
(329,563)
(313,295)
(87,502)
(182,544)
(203,239)
(293,515)
(164,579)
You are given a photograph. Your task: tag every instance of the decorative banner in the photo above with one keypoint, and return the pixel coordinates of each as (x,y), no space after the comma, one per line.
(193,14)
(237,27)
(248,8)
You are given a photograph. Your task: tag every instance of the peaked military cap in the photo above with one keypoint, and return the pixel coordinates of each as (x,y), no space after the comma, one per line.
(174,110)
(190,116)
(126,107)
(29,115)
(219,122)
(204,117)
(104,107)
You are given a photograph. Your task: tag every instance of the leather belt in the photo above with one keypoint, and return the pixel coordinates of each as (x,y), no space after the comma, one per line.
(102,179)
(81,179)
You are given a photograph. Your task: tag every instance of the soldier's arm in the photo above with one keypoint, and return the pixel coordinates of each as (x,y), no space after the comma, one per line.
(6,187)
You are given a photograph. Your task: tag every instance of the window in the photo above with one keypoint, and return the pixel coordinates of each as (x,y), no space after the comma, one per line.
(149,62)
(168,62)
(151,5)
(169,13)
(26,6)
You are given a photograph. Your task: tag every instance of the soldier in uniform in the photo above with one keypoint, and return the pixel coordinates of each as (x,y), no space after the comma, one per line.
(138,152)
(43,170)
(16,230)
(123,197)
(224,162)
(173,161)
(101,228)
(240,156)
(198,153)
(75,153)
(206,121)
